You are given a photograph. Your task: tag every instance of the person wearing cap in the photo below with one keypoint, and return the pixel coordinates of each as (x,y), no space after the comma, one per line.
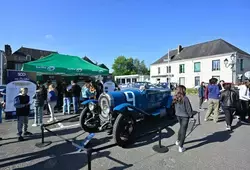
(244,101)
(22,105)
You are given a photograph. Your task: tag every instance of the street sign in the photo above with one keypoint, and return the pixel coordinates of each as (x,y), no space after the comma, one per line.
(247,74)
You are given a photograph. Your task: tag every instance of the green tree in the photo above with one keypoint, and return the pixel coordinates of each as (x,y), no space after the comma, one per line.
(128,66)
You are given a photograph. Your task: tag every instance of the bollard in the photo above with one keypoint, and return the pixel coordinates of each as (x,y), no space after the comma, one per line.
(89,156)
(1,114)
(160,137)
(199,118)
(43,143)
(159,148)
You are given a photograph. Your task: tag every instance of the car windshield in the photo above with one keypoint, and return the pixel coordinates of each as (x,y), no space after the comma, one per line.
(139,84)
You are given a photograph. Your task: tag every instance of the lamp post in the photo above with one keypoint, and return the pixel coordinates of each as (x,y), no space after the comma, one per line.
(231,64)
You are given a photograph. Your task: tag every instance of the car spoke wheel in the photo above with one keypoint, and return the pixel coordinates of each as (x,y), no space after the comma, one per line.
(124,129)
(86,121)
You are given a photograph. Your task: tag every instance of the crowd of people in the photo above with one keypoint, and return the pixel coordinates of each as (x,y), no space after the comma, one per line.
(221,97)
(49,97)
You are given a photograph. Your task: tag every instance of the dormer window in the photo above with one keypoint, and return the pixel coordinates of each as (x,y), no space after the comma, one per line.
(28,57)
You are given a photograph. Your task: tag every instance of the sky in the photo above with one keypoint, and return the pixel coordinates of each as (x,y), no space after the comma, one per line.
(106,29)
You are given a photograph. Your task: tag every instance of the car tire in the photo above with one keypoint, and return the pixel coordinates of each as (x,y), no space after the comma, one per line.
(82,119)
(121,121)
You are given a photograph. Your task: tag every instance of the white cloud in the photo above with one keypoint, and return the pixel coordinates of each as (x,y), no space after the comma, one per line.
(49,37)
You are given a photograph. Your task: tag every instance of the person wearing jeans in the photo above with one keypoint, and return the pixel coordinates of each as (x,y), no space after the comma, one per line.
(76,93)
(183,111)
(52,100)
(213,100)
(201,95)
(22,105)
(228,101)
(39,104)
(66,99)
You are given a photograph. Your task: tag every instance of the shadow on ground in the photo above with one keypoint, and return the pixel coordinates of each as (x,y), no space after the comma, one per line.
(148,131)
(38,135)
(220,136)
(60,155)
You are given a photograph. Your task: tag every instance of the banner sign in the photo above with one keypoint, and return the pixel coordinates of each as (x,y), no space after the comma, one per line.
(14,75)
(15,81)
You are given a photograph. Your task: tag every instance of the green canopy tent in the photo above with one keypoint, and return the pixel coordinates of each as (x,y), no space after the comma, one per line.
(64,65)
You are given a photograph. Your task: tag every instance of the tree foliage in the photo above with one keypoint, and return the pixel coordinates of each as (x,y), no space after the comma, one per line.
(129,66)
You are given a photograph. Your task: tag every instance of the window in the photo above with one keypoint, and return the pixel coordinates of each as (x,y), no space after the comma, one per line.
(215,65)
(134,80)
(118,81)
(128,80)
(159,70)
(123,81)
(197,81)
(182,68)
(28,57)
(197,66)
(241,65)
(18,66)
(182,81)
(168,69)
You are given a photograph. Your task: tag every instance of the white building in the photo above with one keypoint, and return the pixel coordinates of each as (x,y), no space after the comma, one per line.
(191,65)
(124,79)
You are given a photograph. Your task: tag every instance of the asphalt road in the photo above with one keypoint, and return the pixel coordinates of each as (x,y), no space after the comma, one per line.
(209,146)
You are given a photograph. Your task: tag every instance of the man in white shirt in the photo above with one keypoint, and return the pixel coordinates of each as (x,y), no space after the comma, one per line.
(244,101)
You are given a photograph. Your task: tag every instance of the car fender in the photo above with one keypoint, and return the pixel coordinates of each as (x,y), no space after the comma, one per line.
(121,107)
(89,101)
(169,102)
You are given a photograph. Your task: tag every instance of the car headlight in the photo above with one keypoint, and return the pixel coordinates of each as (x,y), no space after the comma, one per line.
(106,109)
(92,106)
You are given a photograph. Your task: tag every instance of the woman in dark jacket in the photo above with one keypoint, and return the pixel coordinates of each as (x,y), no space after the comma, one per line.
(66,98)
(228,100)
(39,104)
(183,111)
(202,89)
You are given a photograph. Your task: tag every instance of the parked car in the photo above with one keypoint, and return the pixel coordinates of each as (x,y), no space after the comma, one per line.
(120,110)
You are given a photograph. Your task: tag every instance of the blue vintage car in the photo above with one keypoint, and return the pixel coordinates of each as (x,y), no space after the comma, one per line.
(120,110)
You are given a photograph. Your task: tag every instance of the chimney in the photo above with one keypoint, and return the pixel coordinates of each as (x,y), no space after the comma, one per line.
(179,48)
(7,50)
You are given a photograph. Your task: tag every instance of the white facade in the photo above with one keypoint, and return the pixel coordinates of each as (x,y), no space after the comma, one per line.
(190,78)
(125,79)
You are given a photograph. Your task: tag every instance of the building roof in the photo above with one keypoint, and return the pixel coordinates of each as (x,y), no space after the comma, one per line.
(34,53)
(103,66)
(209,48)
(88,60)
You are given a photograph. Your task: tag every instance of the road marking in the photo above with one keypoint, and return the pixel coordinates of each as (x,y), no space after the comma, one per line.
(65,127)
(59,124)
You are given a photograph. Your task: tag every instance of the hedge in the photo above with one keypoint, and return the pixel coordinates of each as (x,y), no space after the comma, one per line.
(189,91)
(192,91)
